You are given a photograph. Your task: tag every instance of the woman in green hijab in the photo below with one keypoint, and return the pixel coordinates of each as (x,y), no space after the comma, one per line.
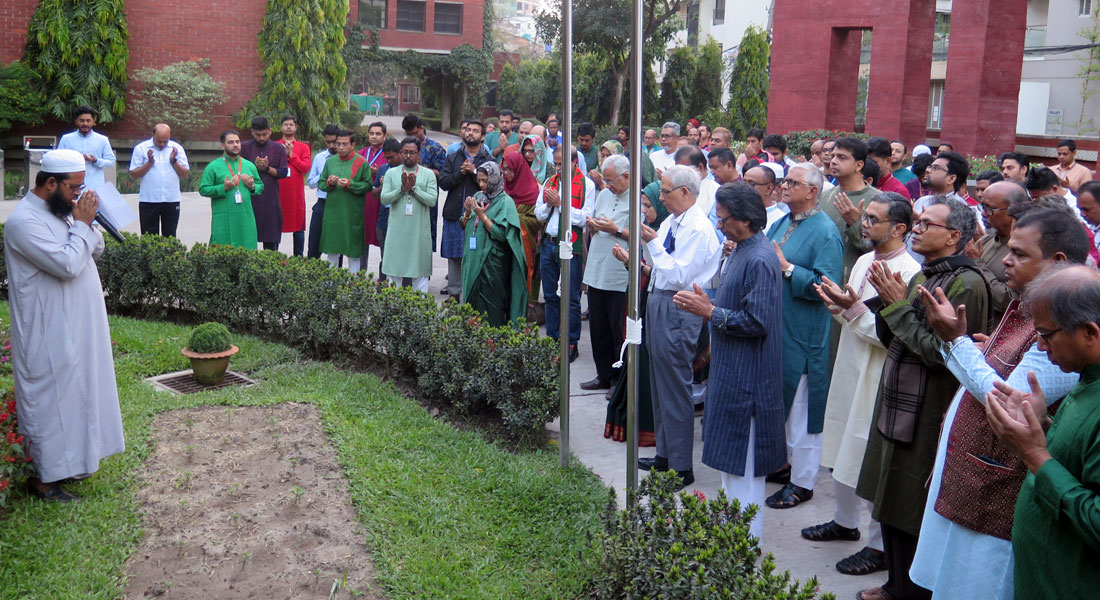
(534,152)
(494,271)
(653,212)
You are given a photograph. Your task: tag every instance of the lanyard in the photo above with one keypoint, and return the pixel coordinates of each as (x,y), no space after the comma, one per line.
(230,167)
(371,159)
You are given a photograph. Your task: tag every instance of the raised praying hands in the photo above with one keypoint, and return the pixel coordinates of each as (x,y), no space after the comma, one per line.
(783,262)
(232,182)
(551,197)
(890,286)
(247,180)
(974,248)
(408,181)
(261,163)
(621,254)
(831,293)
(149,155)
(648,233)
(1018,418)
(947,321)
(849,212)
(695,302)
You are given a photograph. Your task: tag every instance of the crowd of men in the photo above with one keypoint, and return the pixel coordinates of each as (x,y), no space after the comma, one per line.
(938,352)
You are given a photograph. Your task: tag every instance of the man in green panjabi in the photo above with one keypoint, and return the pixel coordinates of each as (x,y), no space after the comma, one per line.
(1056,530)
(347,179)
(229,182)
(410,192)
(494,267)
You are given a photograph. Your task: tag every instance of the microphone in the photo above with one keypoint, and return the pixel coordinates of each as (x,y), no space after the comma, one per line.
(108,227)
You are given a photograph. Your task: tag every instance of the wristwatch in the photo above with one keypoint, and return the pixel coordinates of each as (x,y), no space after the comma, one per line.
(789,271)
(618,234)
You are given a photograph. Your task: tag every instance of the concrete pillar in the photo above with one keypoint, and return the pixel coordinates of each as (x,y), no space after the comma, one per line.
(982,88)
(901,61)
(843,79)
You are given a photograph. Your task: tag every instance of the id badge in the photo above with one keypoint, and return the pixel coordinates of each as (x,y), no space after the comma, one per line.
(237,197)
(473,242)
(408,209)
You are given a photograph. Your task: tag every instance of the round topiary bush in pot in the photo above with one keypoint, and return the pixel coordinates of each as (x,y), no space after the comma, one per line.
(209,350)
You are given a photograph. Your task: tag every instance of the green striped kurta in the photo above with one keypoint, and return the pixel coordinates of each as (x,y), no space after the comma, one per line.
(342,227)
(231,223)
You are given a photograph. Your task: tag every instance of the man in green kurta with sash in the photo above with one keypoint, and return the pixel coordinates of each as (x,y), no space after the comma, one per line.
(494,270)
(410,192)
(347,179)
(229,182)
(1056,531)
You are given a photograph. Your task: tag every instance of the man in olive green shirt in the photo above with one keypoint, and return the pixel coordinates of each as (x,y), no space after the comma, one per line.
(1056,532)
(844,203)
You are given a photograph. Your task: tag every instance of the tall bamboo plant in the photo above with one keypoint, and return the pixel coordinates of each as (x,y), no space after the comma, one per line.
(79,50)
(300,45)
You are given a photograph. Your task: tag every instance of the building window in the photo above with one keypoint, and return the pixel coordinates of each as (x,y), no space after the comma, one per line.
(410,94)
(448,18)
(1084,8)
(719,12)
(372,13)
(935,105)
(410,15)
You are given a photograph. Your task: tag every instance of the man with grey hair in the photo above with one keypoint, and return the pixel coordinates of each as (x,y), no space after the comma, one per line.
(665,157)
(604,274)
(684,253)
(1054,535)
(916,388)
(809,248)
(969,507)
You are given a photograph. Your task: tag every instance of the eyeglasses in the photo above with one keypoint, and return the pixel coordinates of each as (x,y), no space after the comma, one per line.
(924,224)
(791,183)
(665,192)
(722,221)
(757,184)
(75,188)
(935,167)
(410,152)
(873,220)
(992,211)
(666,135)
(1046,335)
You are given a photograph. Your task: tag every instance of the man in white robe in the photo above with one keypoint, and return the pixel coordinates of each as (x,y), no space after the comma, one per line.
(848,411)
(66,396)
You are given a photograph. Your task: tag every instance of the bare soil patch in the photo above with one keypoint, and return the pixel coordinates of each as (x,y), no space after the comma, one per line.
(247,502)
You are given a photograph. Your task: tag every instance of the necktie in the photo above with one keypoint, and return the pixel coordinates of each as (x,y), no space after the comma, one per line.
(670,241)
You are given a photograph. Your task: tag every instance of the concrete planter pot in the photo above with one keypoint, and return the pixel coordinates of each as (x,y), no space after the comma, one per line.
(209,368)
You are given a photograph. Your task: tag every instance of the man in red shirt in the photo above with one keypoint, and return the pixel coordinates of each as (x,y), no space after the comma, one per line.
(879,150)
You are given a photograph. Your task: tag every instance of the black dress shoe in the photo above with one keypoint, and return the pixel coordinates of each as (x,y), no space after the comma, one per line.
(595,384)
(573,352)
(656,463)
(53,494)
(686,478)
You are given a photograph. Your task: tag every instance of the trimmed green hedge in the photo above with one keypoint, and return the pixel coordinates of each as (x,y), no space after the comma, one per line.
(447,351)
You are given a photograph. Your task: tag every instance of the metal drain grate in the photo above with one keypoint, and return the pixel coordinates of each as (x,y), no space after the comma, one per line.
(183,382)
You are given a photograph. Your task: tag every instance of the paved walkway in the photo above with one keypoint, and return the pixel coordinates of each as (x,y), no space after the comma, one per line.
(587,413)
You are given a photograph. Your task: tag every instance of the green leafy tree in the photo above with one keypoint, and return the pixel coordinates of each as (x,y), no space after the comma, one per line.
(182,94)
(706,89)
(748,106)
(300,46)
(20,101)
(603,27)
(676,86)
(1089,69)
(79,50)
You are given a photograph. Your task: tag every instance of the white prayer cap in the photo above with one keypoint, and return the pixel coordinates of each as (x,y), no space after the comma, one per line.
(63,161)
(776,168)
(920,149)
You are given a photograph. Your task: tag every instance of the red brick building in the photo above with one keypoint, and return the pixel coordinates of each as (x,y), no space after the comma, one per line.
(162,33)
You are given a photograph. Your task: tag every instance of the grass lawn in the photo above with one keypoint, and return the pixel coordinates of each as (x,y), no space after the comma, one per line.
(447,514)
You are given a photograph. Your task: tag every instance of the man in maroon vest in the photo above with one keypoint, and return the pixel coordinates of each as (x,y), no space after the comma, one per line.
(964,549)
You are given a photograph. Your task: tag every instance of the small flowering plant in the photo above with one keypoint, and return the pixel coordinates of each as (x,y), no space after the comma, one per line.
(14,463)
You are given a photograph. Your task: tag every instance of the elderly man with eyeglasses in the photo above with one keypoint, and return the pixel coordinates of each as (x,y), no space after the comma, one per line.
(809,249)
(989,251)
(665,157)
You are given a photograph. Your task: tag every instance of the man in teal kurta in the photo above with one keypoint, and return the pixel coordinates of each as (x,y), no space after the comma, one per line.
(410,192)
(347,179)
(229,182)
(1056,532)
(809,247)
(494,267)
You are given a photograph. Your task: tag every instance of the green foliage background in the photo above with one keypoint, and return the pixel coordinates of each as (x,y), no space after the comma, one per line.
(676,87)
(181,94)
(20,101)
(79,50)
(748,106)
(300,45)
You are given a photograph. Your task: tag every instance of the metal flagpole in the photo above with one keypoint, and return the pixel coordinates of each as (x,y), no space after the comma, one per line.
(633,292)
(565,230)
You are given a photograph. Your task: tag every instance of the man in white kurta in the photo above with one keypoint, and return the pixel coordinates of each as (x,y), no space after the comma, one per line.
(856,374)
(93,146)
(66,396)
